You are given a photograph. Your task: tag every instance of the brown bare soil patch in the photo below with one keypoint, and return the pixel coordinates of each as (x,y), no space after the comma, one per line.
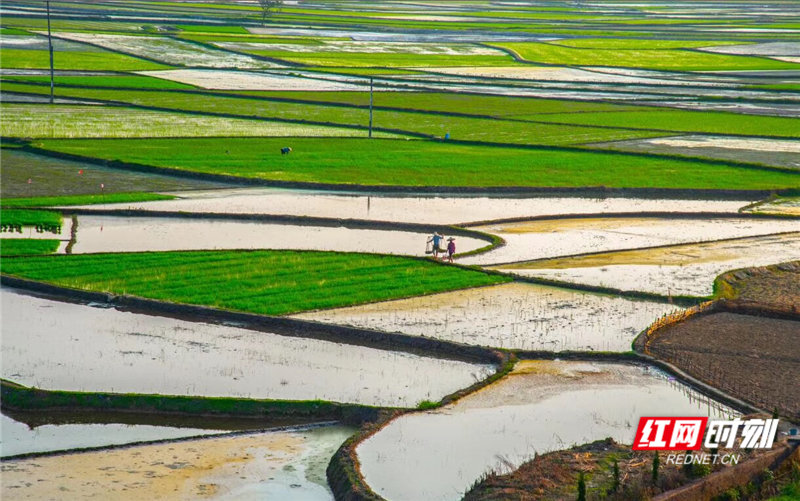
(774,287)
(750,357)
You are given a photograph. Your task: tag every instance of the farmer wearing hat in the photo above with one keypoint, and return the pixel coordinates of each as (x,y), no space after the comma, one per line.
(451,248)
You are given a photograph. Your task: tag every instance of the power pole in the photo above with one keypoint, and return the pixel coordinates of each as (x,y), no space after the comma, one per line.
(370,107)
(50,44)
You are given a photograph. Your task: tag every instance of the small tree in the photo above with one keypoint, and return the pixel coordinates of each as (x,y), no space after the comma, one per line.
(656,463)
(581,487)
(268,7)
(615,480)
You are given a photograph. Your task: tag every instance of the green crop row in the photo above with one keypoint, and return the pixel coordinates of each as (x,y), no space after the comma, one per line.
(27,247)
(423,163)
(264,282)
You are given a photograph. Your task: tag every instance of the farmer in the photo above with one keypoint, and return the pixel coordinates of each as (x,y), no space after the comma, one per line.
(451,248)
(436,239)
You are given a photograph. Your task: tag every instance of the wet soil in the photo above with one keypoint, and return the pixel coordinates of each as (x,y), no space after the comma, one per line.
(752,358)
(55,177)
(275,465)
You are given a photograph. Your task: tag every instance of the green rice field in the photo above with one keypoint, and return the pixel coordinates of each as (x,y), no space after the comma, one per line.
(265,282)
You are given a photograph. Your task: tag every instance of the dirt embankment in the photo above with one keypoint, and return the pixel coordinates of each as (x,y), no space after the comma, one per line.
(555,476)
(750,344)
(747,356)
(771,288)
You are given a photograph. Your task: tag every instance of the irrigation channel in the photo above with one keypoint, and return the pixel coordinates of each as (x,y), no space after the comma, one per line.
(588,280)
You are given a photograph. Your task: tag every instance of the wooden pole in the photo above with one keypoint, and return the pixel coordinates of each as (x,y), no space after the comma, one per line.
(370,107)
(50,44)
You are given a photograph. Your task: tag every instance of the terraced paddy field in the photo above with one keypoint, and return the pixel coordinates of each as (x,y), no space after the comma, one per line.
(244,203)
(516,316)
(417,207)
(93,234)
(289,463)
(541,406)
(19,438)
(679,270)
(106,350)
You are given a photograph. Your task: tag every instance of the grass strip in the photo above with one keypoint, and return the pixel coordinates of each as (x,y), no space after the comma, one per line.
(21,217)
(68,200)
(18,397)
(424,163)
(261,282)
(27,247)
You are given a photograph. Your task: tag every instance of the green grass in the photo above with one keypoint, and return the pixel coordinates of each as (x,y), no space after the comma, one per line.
(263,282)
(94,61)
(25,398)
(558,122)
(657,59)
(81,200)
(21,217)
(683,121)
(789,493)
(424,163)
(464,128)
(27,247)
(211,28)
(110,81)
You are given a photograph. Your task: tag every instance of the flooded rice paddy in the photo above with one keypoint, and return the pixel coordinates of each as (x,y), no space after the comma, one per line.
(135,234)
(676,270)
(517,315)
(563,237)
(114,351)
(287,464)
(430,209)
(540,407)
(242,80)
(19,438)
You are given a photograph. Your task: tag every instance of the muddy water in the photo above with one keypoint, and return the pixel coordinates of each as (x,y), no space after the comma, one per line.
(61,346)
(19,438)
(543,406)
(543,239)
(681,269)
(122,234)
(516,315)
(275,465)
(416,209)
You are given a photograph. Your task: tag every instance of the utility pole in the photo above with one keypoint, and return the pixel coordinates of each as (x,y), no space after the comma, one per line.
(50,44)
(370,106)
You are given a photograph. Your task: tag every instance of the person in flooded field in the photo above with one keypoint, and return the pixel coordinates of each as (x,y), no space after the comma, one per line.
(436,240)
(451,248)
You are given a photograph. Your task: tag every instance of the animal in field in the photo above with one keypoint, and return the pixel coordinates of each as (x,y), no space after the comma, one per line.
(285,150)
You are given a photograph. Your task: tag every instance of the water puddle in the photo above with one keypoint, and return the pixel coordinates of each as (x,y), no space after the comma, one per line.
(516,315)
(19,438)
(677,270)
(541,407)
(432,209)
(287,464)
(62,346)
(552,238)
